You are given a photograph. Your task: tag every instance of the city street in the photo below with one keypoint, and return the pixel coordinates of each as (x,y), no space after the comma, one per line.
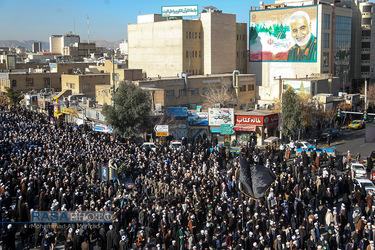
(353,140)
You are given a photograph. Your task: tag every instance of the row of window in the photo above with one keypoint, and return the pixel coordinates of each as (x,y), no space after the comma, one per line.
(30,82)
(241,37)
(193,35)
(193,54)
(250,87)
(195,91)
(243,54)
(193,71)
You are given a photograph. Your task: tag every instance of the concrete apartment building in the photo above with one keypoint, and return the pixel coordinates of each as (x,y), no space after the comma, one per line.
(29,80)
(328,53)
(83,83)
(57,43)
(36,47)
(363,37)
(207,45)
(180,92)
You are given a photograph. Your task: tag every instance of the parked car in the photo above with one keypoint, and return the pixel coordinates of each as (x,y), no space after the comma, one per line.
(150,145)
(366,184)
(332,132)
(357,170)
(357,124)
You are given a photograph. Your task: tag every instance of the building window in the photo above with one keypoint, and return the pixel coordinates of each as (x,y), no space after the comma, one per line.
(365,56)
(195,35)
(182,92)
(243,88)
(199,35)
(14,83)
(195,53)
(170,93)
(366,45)
(187,54)
(237,37)
(29,82)
(98,92)
(367,8)
(195,91)
(366,32)
(326,22)
(326,40)
(46,82)
(366,21)
(365,69)
(325,59)
(205,91)
(187,35)
(200,54)
(237,54)
(250,87)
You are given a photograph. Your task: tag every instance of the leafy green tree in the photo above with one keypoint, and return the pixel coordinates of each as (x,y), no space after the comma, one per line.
(291,112)
(131,110)
(13,96)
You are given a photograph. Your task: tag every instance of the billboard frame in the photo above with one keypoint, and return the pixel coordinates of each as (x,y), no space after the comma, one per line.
(278,9)
(179,6)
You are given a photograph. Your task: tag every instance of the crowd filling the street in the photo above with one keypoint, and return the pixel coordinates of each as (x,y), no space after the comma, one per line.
(173,198)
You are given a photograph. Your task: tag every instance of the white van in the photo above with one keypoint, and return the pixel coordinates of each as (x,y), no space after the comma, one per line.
(151,145)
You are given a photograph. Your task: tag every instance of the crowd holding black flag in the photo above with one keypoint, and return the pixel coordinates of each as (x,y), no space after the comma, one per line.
(255,179)
(190,198)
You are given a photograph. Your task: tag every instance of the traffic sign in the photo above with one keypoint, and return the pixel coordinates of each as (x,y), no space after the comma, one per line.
(161,133)
(161,128)
(227,129)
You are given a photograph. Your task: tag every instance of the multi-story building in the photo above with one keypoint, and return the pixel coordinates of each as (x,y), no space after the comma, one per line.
(362,36)
(296,39)
(213,43)
(29,80)
(83,83)
(36,47)
(189,92)
(57,43)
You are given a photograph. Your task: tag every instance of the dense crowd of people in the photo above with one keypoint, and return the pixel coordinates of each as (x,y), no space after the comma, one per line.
(187,198)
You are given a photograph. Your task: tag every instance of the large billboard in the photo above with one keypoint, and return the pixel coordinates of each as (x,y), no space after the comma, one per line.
(299,86)
(284,35)
(179,11)
(218,116)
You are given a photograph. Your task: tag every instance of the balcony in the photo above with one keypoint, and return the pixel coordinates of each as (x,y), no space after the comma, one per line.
(366,50)
(365,62)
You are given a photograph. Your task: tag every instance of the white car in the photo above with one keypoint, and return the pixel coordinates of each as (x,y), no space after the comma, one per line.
(367,184)
(151,145)
(175,145)
(299,144)
(358,171)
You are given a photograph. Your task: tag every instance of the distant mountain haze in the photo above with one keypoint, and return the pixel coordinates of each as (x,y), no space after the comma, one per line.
(45,45)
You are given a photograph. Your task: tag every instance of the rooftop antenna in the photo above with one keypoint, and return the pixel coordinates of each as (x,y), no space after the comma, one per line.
(74,26)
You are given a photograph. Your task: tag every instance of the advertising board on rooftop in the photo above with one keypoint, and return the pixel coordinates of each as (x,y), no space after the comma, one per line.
(284,35)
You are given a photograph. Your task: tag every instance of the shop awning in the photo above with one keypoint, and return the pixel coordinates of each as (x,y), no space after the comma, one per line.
(245,128)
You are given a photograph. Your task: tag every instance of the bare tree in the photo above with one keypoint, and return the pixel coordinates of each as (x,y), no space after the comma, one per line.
(223,94)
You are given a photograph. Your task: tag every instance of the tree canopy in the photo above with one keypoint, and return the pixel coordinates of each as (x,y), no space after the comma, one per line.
(14,96)
(131,111)
(291,112)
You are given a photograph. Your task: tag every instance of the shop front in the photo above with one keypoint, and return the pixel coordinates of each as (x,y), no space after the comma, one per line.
(255,125)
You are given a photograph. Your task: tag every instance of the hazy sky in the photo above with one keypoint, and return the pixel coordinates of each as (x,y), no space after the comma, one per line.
(38,19)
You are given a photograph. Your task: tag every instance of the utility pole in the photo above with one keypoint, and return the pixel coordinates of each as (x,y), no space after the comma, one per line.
(365,94)
(281,90)
(113,78)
